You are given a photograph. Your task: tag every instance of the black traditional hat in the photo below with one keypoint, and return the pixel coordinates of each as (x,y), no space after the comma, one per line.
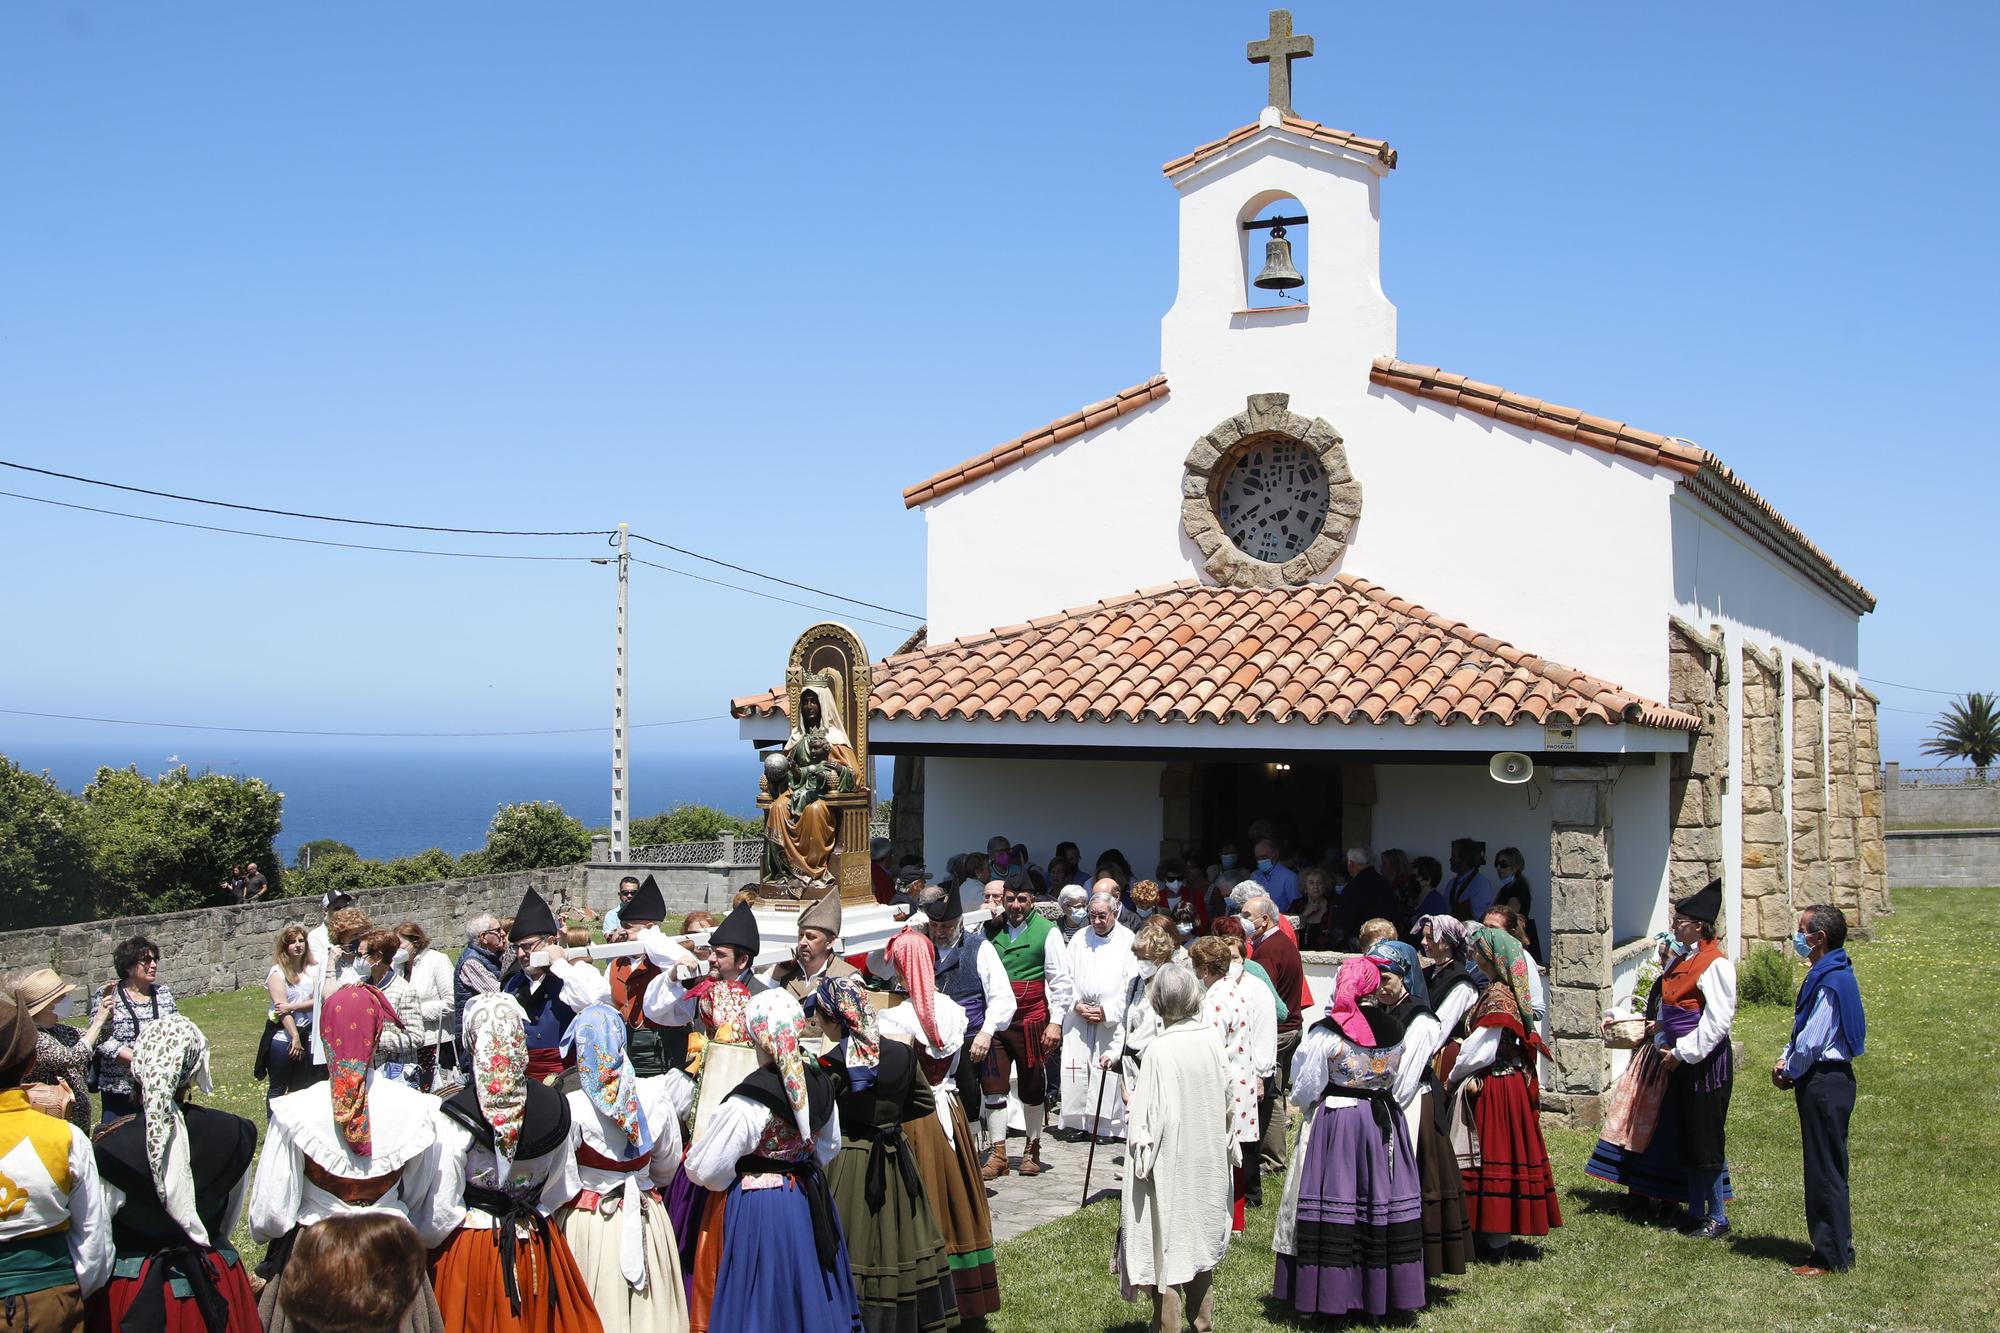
(911,871)
(1703,905)
(648,904)
(738,930)
(948,906)
(532,919)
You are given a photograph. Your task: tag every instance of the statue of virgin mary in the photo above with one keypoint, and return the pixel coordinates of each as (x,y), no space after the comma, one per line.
(800,829)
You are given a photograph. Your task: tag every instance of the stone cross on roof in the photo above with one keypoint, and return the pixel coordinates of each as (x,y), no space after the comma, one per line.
(1278,51)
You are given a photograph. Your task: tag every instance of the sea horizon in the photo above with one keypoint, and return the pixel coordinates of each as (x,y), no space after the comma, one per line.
(387,802)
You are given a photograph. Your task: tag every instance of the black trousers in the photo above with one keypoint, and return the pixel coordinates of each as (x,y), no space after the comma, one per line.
(1826,1103)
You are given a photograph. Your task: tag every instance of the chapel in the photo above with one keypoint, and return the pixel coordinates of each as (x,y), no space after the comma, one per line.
(1269,621)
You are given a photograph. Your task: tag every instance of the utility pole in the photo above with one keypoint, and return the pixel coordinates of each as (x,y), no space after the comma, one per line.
(621,787)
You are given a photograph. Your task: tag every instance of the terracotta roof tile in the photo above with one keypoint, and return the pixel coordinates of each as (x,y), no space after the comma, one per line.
(1311,129)
(1707,475)
(1023,447)
(1344,651)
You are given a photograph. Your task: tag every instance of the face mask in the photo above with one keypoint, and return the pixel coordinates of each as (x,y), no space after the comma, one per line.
(1146,970)
(1800,946)
(401,959)
(66,1005)
(1263,863)
(1144,912)
(1175,884)
(1186,928)
(1681,950)
(1229,860)
(1249,925)
(1079,914)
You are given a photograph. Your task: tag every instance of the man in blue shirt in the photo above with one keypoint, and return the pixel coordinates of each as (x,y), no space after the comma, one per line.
(614,924)
(1281,883)
(1829,1030)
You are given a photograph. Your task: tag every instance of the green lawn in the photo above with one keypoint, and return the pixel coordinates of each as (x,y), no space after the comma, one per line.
(1926,1151)
(1926,1146)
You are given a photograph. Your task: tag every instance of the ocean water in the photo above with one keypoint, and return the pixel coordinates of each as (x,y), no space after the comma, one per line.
(389,802)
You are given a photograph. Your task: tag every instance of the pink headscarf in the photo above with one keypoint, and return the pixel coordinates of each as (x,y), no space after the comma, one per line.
(350,1021)
(913,955)
(1357,977)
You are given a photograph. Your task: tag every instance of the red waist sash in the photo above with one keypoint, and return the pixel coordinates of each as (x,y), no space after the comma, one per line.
(589,1156)
(1031,1015)
(546,1062)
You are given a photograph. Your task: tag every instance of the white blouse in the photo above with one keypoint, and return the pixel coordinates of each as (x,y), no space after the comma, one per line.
(663,1100)
(900,1020)
(461,1159)
(1717,985)
(733,1131)
(667,1001)
(301,1126)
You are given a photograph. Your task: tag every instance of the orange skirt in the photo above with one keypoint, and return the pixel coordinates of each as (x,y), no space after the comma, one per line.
(707,1260)
(471,1286)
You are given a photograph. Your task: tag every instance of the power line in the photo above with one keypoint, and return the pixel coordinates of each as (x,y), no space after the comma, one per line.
(293,513)
(768,596)
(303,541)
(755,573)
(1920,689)
(374,735)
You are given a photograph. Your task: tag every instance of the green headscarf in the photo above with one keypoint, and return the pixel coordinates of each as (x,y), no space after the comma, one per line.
(1496,947)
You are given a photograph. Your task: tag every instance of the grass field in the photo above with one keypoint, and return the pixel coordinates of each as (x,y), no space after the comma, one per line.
(1926,1147)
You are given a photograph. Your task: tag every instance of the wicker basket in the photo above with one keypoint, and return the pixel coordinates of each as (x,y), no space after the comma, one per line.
(1625,1034)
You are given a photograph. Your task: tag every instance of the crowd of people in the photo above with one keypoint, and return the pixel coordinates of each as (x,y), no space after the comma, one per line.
(523,1141)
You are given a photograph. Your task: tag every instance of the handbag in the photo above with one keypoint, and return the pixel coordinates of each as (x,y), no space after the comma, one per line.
(51,1099)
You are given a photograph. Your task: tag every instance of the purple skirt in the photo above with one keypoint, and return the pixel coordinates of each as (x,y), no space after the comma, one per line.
(1360,1242)
(685,1200)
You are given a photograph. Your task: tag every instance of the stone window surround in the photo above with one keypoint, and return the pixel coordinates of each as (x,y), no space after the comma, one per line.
(1208,464)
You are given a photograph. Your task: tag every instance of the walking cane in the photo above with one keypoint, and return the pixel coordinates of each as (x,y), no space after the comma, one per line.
(1096,1122)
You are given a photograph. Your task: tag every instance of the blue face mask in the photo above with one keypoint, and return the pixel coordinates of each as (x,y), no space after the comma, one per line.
(1185,928)
(1079,914)
(1799,945)
(1263,863)
(1229,860)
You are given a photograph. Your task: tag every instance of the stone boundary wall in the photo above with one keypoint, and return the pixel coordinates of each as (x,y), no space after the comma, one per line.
(227,948)
(1810,883)
(1697,682)
(1946,858)
(1766,836)
(1967,806)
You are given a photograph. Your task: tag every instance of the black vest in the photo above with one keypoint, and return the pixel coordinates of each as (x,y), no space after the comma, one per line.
(220,1145)
(543,1128)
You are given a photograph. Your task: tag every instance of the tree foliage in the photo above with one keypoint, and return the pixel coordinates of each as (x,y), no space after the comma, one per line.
(168,844)
(45,864)
(529,835)
(1968,730)
(691,823)
(311,851)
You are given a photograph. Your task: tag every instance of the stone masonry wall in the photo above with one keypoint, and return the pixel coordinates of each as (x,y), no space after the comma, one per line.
(1580,845)
(226,948)
(1766,837)
(1843,806)
(1809,878)
(1870,844)
(1697,683)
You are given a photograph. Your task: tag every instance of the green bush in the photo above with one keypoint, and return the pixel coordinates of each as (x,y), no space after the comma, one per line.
(45,861)
(532,834)
(333,872)
(691,823)
(1766,977)
(318,847)
(429,864)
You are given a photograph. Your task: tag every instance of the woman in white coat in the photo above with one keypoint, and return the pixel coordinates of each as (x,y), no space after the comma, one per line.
(429,972)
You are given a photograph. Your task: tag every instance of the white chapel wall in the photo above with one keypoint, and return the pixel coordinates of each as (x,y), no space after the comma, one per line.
(1095,803)
(1422,807)
(1641,836)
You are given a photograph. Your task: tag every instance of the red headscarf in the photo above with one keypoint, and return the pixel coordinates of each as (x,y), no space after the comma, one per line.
(912,954)
(349,1022)
(1357,977)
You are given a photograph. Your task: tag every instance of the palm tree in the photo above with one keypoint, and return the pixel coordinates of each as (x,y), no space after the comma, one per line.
(1969,730)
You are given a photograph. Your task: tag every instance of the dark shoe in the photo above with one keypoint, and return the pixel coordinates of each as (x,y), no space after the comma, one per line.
(1714,1228)
(1254,1199)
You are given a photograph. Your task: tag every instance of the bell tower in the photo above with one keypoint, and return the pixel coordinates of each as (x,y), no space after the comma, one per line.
(1323,186)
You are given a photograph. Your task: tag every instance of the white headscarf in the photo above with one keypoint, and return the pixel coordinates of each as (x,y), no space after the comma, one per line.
(170,1056)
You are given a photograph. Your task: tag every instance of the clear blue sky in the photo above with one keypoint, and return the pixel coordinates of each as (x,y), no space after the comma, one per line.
(738,276)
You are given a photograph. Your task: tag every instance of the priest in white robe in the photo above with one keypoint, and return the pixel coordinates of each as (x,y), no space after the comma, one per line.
(1100,965)
(1180,1160)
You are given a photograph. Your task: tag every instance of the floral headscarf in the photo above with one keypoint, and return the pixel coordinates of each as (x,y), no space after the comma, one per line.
(776,1023)
(171,1055)
(1357,977)
(1400,958)
(846,1000)
(1503,952)
(1449,929)
(350,1021)
(914,957)
(606,1074)
(496,1033)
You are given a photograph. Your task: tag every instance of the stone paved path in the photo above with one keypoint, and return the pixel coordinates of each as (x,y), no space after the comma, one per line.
(1022,1203)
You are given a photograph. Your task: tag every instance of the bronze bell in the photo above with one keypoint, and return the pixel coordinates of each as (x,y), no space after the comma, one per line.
(1278,274)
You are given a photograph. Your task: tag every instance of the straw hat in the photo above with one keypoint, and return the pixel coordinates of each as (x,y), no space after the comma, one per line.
(40,989)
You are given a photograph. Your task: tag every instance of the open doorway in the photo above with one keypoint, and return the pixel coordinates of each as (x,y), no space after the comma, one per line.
(1301,798)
